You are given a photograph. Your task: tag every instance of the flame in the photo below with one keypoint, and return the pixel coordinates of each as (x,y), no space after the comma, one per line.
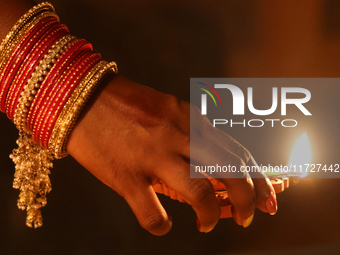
(301,154)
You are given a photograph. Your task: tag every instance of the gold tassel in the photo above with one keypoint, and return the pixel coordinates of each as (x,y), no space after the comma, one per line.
(32,164)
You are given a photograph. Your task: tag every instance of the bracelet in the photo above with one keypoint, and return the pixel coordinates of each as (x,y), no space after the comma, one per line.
(11,47)
(75,57)
(73,111)
(19,55)
(21,22)
(31,117)
(71,82)
(46,78)
(27,69)
(29,92)
(54,142)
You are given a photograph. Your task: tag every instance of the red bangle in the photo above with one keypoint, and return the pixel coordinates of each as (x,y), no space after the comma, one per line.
(30,89)
(41,92)
(30,63)
(77,74)
(20,53)
(47,85)
(12,46)
(30,68)
(46,77)
(57,90)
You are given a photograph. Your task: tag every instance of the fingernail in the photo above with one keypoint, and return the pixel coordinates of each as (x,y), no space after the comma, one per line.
(271,204)
(198,223)
(237,220)
(208,230)
(247,222)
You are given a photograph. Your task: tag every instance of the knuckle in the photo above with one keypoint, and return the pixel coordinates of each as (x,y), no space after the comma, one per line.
(194,110)
(200,191)
(243,153)
(172,100)
(153,222)
(238,161)
(239,150)
(184,138)
(125,183)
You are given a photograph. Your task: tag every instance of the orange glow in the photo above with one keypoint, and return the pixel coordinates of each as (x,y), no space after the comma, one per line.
(301,153)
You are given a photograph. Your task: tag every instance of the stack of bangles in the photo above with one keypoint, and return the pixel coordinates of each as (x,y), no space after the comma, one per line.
(46,77)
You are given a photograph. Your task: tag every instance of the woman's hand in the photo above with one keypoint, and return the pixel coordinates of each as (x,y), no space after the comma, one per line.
(132,137)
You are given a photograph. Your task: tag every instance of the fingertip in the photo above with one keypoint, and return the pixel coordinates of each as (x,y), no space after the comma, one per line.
(203,230)
(248,221)
(157,224)
(149,212)
(271,204)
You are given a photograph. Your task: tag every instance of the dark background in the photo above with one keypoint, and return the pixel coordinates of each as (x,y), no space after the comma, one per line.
(162,44)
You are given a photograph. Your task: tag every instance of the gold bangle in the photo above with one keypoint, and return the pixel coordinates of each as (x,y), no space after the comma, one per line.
(30,89)
(32,161)
(8,49)
(53,142)
(74,107)
(15,30)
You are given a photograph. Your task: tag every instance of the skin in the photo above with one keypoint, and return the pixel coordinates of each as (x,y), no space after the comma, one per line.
(132,137)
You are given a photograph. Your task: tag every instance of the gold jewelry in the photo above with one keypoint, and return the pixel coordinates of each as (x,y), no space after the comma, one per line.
(32,161)
(75,104)
(10,46)
(30,90)
(22,22)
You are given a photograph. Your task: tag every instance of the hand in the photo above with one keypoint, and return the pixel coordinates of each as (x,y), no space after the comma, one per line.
(221,194)
(132,137)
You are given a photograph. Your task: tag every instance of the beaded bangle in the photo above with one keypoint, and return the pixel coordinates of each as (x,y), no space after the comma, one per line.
(27,67)
(21,52)
(58,90)
(76,75)
(22,22)
(42,69)
(31,62)
(50,80)
(25,42)
(12,46)
(33,83)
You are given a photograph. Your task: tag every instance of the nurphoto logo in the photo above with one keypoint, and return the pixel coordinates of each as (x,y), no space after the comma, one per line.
(238,107)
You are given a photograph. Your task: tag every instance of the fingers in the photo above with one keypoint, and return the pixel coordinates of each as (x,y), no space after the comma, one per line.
(266,196)
(265,192)
(198,193)
(240,187)
(242,197)
(148,210)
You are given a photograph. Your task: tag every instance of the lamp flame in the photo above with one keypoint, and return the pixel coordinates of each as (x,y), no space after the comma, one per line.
(301,155)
